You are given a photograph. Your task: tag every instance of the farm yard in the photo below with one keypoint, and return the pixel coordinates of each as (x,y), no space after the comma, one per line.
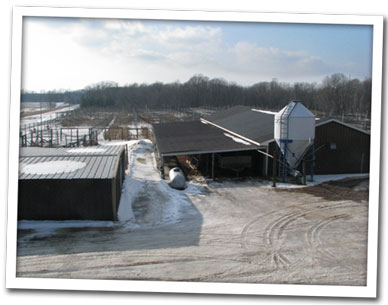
(230,230)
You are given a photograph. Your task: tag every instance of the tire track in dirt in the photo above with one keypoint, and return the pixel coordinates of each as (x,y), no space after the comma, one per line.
(274,230)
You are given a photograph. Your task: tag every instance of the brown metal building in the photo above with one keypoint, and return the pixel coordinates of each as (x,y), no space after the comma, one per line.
(341,148)
(88,193)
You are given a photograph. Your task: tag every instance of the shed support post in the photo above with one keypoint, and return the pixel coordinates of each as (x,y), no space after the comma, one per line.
(266,162)
(312,161)
(213,166)
(162,166)
(274,160)
(284,162)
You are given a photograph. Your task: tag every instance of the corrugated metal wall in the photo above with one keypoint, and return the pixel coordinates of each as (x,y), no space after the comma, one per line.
(340,149)
(72,199)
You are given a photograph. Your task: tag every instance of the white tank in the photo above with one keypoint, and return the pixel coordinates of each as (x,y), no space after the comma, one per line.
(177,178)
(294,131)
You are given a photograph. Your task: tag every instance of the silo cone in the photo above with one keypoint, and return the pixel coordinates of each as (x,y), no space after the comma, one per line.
(294,132)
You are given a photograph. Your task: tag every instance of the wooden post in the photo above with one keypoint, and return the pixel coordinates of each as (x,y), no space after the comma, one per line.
(304,171)
(77,138)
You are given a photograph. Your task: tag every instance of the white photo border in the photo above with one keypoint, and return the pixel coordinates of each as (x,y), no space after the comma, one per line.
(368,291)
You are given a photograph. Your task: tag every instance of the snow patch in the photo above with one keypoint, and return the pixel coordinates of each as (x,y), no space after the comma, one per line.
(47,228)
(147,200)
(51,167)
(264,111)
(319,179)
(86,150)
(238,140)
(117,143)
(52,225)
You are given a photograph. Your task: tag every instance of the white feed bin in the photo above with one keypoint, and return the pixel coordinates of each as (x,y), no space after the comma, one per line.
(177,178)
(294,131)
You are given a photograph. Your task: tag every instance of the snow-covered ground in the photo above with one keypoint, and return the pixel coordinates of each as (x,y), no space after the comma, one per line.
(146,199)
(46,116)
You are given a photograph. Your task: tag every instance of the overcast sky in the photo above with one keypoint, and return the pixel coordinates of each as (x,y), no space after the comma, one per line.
(70,53)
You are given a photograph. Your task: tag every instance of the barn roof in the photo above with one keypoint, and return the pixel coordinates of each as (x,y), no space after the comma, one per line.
(99,150)
(331,120)
(98,162)
(196,137)
(249,123)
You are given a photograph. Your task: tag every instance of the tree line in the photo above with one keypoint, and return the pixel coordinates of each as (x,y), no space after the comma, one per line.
(51,97)
(337,94)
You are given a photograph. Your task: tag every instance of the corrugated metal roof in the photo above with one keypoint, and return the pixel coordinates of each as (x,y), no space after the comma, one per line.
(99,150)
(195,137)
(250,124)
(96,164)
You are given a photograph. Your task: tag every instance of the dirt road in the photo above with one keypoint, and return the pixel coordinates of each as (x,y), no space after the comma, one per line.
(231,231)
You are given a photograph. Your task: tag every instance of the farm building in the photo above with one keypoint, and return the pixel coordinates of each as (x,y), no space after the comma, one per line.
(341,148)
(70,183)
(241,141)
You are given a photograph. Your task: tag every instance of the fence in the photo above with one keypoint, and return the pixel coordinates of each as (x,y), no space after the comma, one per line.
(79,136)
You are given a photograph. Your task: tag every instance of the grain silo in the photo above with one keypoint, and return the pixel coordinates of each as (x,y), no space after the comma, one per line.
(294,130)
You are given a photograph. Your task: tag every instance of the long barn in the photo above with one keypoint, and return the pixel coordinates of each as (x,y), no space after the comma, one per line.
(70,183)
(338,147)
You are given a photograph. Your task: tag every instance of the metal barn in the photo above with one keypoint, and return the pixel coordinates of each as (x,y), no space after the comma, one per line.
(341,148)
(214,144)
(70,183)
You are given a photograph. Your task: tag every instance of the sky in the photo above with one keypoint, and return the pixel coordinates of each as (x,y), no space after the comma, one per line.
(72,53)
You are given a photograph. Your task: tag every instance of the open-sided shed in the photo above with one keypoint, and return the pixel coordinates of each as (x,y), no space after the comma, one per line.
(215,149)
(70,183)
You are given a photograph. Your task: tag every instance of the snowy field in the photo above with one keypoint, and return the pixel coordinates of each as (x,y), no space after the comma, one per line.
(47,114)
(231,231)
